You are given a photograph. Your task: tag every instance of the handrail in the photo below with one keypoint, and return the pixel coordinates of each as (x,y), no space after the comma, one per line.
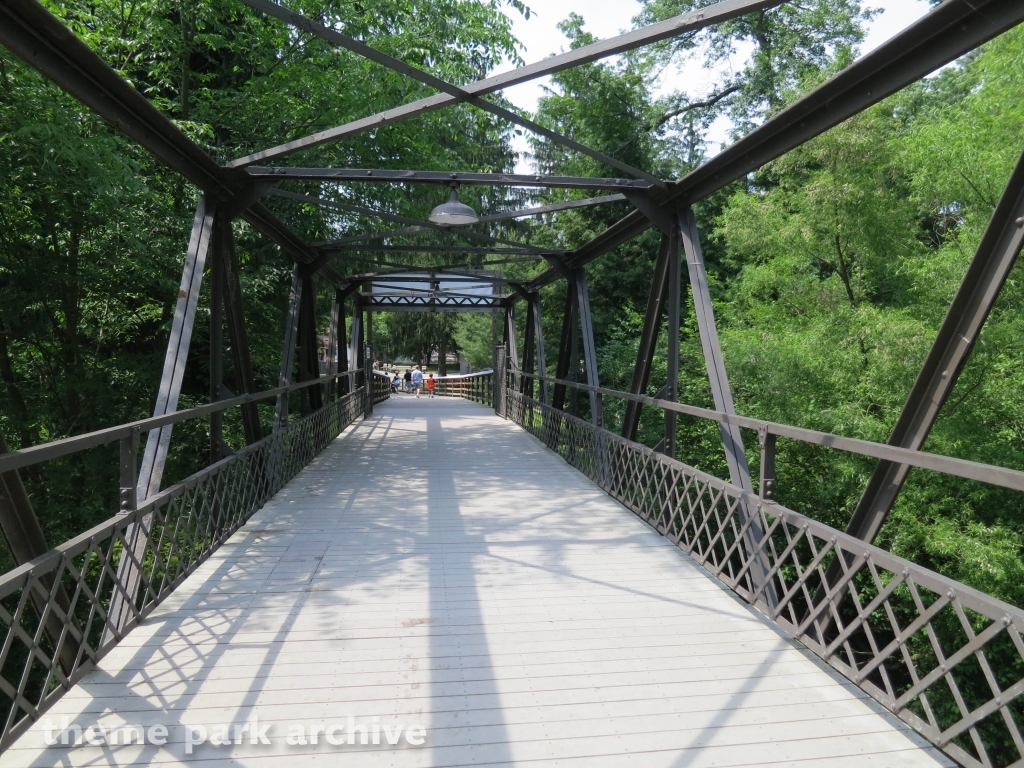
(902,633)
(26,457)
(970,470)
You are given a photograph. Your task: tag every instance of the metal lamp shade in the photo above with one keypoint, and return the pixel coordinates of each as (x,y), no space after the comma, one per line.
(453,212)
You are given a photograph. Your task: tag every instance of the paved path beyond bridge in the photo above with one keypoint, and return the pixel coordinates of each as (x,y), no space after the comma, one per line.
(438,566)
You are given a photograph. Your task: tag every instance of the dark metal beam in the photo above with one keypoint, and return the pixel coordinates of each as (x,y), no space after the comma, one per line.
(565,344)
(217,285)
(589,346)
(987,274)
(732,438)
(943,35)
(291,330)
(648,339)
(588,202)
(454,250)
(674,27)
(238,335)
(309,363)
(358,209)
(444,178)
(356,46)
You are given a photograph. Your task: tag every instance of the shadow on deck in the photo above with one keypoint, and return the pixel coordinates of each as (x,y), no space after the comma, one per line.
(438,566)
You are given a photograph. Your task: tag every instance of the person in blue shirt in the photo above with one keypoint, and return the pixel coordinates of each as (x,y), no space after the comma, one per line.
(417,381)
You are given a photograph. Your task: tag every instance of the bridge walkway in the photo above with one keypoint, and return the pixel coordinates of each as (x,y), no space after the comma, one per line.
(437,566)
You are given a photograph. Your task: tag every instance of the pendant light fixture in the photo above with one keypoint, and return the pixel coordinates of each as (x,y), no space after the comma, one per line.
(453,212)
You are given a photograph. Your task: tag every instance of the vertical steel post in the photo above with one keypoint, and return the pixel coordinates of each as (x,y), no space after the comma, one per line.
(739,472)
(674,289)
(511,343)
(656,301)
(309,366)
(538,343)
(526,384)
(353,344)
(291,329)
(499,380)
(217,343)
(589,348)
(337,313)
(766,485)
(565,345)
(158,440)
(129,453)
(237,333)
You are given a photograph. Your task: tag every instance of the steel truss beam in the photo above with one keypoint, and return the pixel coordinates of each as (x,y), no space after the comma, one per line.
(943,35)
(392,217)
(445,178)
(674,27)
(656,301)
(987,274)
(291,330)
(419,303)
(238,336)
(732,439)
(309,363)
(565,345)
(589,347)
(511,342)
(158,440)
(336,38)
(341,250)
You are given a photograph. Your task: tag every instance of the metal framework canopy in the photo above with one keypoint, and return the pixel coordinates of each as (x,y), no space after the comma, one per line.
(235,190)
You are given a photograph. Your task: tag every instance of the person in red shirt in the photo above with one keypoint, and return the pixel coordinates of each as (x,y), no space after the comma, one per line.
(430,384)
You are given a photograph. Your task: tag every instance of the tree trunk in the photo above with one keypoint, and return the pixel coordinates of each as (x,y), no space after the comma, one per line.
(442,357)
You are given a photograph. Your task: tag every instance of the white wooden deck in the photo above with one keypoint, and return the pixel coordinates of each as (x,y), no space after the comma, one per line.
(438,565)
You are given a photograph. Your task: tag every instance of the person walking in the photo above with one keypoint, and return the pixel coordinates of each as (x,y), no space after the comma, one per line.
(417,381)
(430,384)
(408,379)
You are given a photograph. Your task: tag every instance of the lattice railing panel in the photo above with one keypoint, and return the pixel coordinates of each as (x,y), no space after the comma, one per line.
(54,610)
(945,658)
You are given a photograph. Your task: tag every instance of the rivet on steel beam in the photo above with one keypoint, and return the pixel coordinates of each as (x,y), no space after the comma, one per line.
(1020,222)
(951,595)
(1006,621)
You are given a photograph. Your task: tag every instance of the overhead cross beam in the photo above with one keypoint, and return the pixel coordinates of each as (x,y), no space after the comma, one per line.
(536,211)
(386,176)
(674,27)
(356,46)
(943,35)
(358,209)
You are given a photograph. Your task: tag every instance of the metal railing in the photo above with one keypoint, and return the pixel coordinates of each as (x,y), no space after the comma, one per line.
(478,387)
(945,658)
(55,610)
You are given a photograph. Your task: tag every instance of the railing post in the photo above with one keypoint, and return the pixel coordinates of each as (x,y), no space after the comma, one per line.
(129,500)
(368,377)
(498,381)
(766,484)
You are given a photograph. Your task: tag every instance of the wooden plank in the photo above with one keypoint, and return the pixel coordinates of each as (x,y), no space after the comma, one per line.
(437,563)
